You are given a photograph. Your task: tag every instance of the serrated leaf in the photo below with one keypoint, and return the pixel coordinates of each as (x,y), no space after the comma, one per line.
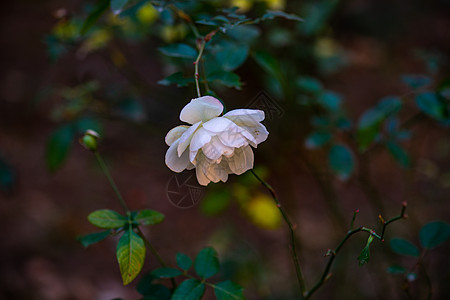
(317,139)
(271,14)
(404,247)
(227,290)
(92,18)
(93,238)
(149,217)
(166,273)
(117,5)
(434,233)
(399,154)
(178,79)
(58,146)
(396,270)
(341,161)
(183,261)
(207,263)
(108,219)
(229,79)
(190,289)
(179,50)
(430,104)
(130,255)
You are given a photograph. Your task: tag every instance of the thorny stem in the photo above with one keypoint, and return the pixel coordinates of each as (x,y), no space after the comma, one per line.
(111,181)
(196,63)
(298,269)
(333,253)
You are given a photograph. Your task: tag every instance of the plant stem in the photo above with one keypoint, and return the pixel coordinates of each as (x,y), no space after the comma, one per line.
(196,63)
(111,181)
(298,269)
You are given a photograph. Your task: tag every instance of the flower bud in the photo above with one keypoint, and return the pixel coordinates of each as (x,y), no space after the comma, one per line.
(89,140)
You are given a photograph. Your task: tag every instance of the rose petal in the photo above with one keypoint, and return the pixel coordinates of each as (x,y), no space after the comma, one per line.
(259,132)
(173,161)
(186,137)
(229,133)
(247,117)
(201,109)
(241,161)
(175,133)
(215,149)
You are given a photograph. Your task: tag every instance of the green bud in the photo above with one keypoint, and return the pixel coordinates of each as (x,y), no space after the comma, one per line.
(90,140)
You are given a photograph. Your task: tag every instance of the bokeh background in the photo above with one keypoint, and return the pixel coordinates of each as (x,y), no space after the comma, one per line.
(55,83)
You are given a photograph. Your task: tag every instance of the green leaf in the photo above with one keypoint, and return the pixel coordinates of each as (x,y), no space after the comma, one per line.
(117,5)
(206,263)
(396,270)
(228,79)
(152,291)
(399,154)
(341,161)
(231,55)
(179,50)
(268,62)
(86,123)
(364,256)
(330,101)
(130,255)
(434,233)
(108,219)
(416,81)
(7,175)
(404,247)
(178,79)
(184,261)
(227,290)
(149,217)
(92,18)
(215,202)
(166,273)
(317,139)
(309,84)
(93,238)
(190,289)
(430,104)
(271,14)
(58,146)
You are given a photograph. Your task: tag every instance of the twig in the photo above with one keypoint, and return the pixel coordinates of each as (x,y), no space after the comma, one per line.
(298,269)
(196,63)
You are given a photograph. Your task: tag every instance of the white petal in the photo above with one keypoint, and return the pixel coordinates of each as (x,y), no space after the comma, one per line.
(241,161)
(215,149)
(200,172)
(186,137)
(215,173)
(201,109)
(249,117)
(259,132)
(173,161)
(175,133)
(199,139)
(229,133)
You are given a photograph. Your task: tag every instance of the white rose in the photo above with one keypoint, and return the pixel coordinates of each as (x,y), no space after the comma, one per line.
(215,146)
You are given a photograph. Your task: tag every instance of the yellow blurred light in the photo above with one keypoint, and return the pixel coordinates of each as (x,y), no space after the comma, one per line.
(244,5)
(174,33)
(98,39)
(147,14)
(263,212)
(276,4)
(326,47)
(65,30)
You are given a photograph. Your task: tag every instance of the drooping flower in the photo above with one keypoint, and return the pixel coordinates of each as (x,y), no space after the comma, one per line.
(215,146)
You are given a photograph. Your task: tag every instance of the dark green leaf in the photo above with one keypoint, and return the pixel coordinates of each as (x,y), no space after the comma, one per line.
(268,62)
(86,123)
(178,79)
(330,101)
(364,256)
(404,247)
(416,81)
(152,291)
(247,33)
(399,154)
(184,261)
(58,146)
(7,175)
(434,233)
(270,14)
(430,104)
(108,219)
(117,5)
(341,161)
(309,84)
(317,139)
(98,11)
(190,289)
(228,290)
(215,202)
(396,270)
(179,50)
(90,239)
(207,263)
(166,273)
(318,14)
(231,55)
(130,255)
(229,79)
(149,217)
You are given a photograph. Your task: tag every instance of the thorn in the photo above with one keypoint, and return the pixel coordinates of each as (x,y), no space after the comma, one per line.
(405,216)
(404,203)
(356,211)
(382,240)
(278,205)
